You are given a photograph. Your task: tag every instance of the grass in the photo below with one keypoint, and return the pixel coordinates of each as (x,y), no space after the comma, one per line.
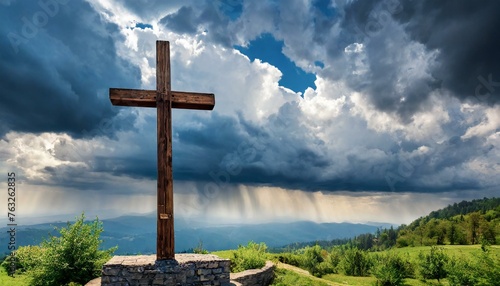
(365,281)
(349,280)
(450,249)
(227,254)
(17,280)
(286,277)
(472,251)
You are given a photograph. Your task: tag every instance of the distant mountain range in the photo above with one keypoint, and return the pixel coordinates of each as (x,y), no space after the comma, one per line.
(137,234)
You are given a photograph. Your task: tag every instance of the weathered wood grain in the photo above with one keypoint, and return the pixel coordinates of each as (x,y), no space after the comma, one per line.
(147,98)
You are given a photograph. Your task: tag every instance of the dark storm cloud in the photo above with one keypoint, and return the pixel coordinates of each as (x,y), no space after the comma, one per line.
(280,153)
(283,154)
(467,36)
(211,140)
(443,168)
(57,62)
(213,16)
(221,151)
(463,33)
(182,21)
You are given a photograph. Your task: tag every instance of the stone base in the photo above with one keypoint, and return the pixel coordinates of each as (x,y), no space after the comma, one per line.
(186,269)
(255,277)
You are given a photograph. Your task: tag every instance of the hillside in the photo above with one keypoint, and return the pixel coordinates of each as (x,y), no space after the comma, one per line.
(464,223)
(482,206)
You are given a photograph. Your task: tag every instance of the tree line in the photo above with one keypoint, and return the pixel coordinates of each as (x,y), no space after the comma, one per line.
(464,223)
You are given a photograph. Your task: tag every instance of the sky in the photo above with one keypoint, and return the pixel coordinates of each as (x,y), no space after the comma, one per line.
(328,111)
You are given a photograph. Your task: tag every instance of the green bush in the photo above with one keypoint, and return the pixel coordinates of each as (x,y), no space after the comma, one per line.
(334,258)
(488,268)
(462,271)
(73,257)
(311,259)
(402,242)
(323,268)
(355,262)
(484,270)
(199,249)
(391,269)
(252,256)
(29,257)
(290,258)
(433,264)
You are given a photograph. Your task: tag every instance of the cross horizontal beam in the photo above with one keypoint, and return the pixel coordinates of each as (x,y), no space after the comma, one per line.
(147,98)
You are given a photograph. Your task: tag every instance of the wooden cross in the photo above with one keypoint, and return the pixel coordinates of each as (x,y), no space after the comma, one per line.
(164,99)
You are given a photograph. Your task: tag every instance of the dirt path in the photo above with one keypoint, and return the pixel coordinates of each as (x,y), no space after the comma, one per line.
(305,273)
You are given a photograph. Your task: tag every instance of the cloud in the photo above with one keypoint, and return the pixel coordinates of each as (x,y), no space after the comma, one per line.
(182,21)
(414,49)
(381,119)
(211,17)
(55,76)
(464,33)
(147,9)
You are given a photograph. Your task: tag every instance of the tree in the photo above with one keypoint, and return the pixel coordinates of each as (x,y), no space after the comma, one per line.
(441,230)
(421,230)
(355,263)
(391,269)
(452,234)
(433,265)
(74,256)
(474,220)
(487,230)
(313,260)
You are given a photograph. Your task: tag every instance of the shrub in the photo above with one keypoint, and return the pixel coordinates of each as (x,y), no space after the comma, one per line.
(29,257)
(402,242)
(323,268)
(72,257)
(433,264)
(355,262)
(334,258)
(252,256)
(311,259)
(485,270)
(290,258)
(199,249)
(391,269)
(462,271)
(488,268)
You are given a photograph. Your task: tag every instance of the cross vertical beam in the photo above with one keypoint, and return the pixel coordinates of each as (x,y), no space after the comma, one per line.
(165,215)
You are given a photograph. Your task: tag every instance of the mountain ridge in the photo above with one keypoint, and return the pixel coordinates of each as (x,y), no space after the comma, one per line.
(137,233)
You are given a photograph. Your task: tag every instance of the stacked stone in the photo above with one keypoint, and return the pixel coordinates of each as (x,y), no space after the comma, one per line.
(255,277)
(185,270)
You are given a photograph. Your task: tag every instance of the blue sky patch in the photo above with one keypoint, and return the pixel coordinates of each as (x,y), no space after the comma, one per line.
(319,64)
(325,7)
(268,49)
(143,26)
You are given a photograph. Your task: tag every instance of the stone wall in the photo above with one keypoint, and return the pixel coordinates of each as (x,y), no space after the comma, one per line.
(255,277)
(185,270)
